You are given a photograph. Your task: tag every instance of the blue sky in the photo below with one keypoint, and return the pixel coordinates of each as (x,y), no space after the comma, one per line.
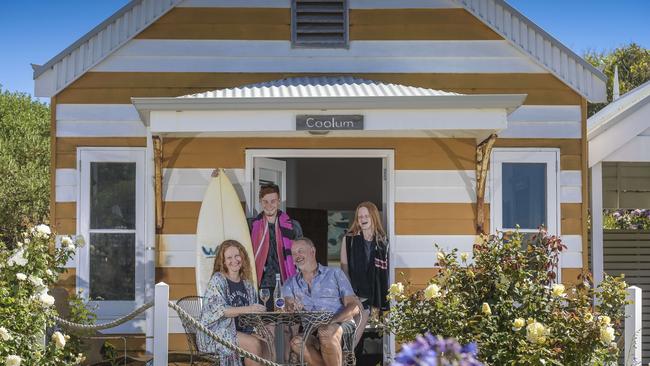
(33,31)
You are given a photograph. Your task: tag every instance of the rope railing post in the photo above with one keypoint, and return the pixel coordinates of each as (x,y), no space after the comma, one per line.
(161,324)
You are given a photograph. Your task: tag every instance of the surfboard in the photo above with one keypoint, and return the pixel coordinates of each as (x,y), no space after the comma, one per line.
(221,218)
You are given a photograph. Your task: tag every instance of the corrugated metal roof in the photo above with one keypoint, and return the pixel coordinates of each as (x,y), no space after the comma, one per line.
(104,39)
(320,86)
(618,109)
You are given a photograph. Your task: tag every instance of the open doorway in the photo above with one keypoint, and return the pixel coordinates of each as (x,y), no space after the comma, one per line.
(321,189)
(322,194)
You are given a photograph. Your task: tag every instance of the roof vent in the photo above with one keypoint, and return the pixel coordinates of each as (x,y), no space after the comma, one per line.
(319,23)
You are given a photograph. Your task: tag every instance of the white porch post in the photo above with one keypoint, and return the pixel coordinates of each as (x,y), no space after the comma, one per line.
(161,324)
(633,327)
(597,261)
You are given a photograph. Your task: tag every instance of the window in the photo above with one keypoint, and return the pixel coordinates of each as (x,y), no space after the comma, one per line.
(319,24)
(524,189)
(111,220)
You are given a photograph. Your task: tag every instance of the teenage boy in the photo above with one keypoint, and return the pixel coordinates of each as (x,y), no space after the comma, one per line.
(272,234)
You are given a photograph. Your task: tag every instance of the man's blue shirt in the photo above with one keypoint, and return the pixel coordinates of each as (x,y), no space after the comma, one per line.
(328,288)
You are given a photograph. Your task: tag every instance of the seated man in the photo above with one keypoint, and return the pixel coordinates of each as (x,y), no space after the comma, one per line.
(320,288)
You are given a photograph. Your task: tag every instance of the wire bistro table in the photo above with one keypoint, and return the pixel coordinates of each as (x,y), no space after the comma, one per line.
(310,321)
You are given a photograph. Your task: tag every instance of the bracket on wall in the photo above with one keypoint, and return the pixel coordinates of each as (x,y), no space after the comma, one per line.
(157,160)
(483,152)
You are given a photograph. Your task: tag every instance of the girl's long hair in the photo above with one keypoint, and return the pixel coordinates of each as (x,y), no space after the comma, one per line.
(220,260)
(355,227)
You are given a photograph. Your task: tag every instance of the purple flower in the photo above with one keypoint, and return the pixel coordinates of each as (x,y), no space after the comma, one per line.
(429,350)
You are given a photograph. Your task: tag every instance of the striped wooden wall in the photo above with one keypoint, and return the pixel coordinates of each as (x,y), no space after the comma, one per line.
(196,49)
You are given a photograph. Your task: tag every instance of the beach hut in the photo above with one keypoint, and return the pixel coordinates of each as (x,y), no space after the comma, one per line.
(402,103)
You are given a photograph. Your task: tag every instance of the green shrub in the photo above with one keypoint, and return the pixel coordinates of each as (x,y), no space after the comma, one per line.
(505,298)
(24,163)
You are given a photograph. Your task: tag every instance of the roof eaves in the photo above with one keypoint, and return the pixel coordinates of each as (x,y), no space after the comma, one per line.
(509,102)
(40,69)
(479,11)
(617,110)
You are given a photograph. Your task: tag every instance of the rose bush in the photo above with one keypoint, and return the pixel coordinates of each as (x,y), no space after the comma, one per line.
(28,268)
(506,300)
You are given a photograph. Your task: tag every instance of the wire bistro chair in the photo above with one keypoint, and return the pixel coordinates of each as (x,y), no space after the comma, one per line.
(192,305)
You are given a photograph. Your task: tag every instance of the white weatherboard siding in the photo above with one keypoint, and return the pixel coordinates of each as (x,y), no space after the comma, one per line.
(190,184)
(435,186)
(98,120)
(279,56)
(100,129)
(122,120)
(454,122)
(352,4)
(66,185)
(410,251)
(545,121)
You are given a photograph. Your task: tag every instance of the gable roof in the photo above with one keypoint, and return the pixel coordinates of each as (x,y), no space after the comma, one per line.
(614,126)
(126,23)
(543,48)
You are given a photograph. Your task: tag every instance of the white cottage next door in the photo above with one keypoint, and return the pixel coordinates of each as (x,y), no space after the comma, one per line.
(111,219)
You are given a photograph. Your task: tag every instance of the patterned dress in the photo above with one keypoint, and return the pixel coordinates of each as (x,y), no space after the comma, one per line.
(212,316)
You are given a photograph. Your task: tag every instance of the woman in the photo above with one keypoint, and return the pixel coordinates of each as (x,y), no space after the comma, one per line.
(364,258)
(229,294)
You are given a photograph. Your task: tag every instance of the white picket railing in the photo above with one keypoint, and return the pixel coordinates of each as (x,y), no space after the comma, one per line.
(633,327)
(161,324)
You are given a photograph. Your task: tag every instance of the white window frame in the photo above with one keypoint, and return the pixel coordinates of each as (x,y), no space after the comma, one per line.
(549,156)
(108,310)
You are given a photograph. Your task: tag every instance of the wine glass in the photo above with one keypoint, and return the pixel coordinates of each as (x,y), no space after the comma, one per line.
(297,303)
(265,295)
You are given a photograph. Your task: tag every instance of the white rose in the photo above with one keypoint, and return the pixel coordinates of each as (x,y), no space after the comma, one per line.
(46,299)
(79,240)
(67,242)
(21,276)
(17,258)
(43,231)
(432,291)
(58,339)
(4,334)
(13,360)
(36,281)
(440,256)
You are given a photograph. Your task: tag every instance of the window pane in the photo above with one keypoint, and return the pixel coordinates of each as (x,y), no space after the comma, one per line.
(112,195)
(112,266)
(524,195)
